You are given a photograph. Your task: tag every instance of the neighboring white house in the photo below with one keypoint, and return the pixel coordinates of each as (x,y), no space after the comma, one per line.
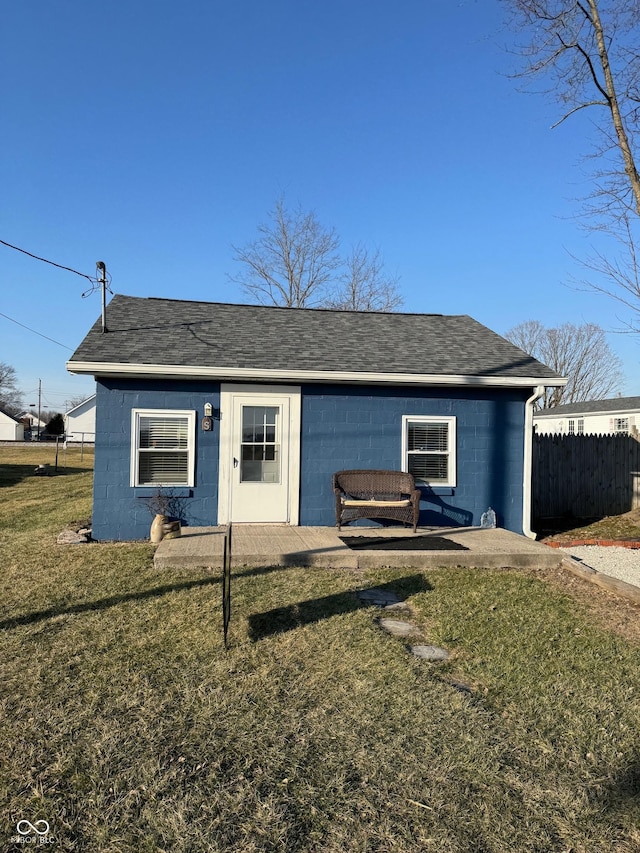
(10,428)
(32,419)
(80,422)
(620,415)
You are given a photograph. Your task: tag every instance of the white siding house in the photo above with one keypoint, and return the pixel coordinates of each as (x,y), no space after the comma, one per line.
(32,420)
(620,415)
(10,428)
(80,422)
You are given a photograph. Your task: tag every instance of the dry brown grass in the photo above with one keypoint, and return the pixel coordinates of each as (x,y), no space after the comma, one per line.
(612,612)
(129,728)
(624,526)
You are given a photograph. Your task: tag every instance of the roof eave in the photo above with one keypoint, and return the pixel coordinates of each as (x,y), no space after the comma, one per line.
(80,405)
(229,374)
(583,414)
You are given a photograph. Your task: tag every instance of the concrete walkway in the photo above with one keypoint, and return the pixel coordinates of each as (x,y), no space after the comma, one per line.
(281,545)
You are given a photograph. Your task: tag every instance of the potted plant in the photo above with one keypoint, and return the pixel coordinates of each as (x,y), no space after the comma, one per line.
(167,510)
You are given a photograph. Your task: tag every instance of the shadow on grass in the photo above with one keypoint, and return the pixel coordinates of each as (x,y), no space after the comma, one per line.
(11,475)
(301,613)
(104,603)
(256,571)
(623,794)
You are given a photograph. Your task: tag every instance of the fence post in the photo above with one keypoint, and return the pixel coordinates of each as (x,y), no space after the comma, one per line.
(226,584)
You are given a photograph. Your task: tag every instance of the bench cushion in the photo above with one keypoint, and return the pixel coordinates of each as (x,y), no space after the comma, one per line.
(375,503)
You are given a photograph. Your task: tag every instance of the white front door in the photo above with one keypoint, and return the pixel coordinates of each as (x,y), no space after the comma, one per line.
(259,454)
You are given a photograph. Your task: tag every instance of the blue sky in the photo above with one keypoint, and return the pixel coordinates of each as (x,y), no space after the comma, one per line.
(152,137)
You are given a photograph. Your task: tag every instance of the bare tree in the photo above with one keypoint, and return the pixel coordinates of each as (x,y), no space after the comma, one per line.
(292,262)
(616,276)
(588,51)
(579,353)
(295,263)
(10,396)
(72,402)
(365,285)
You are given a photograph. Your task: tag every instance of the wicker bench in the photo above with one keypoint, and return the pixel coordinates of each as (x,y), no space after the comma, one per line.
(376,494)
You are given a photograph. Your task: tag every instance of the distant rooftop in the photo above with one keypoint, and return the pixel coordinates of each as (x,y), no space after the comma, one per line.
(13,417)
(592,407)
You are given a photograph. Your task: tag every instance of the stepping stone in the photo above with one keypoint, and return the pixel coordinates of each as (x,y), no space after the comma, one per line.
(397,628)
(430,653)
(398,607)
(378,597)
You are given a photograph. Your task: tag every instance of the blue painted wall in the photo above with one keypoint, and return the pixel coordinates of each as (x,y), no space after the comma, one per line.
(341,428)
(119,511)
(362,428)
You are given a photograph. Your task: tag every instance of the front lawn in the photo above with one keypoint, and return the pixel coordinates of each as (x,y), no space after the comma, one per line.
(128,727)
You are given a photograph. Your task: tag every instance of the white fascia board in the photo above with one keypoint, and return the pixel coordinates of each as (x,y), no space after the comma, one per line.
(247,374)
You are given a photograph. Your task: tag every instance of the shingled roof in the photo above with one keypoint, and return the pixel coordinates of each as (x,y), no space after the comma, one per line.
(592,407)
(167,337)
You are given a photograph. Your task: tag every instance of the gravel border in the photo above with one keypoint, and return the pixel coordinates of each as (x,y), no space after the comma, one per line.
(615,569)
(616,562)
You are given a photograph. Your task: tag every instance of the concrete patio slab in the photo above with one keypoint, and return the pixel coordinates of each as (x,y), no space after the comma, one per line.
(280,545)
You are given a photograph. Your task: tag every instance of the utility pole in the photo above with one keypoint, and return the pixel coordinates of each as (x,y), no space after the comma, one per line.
(102,278)
(39,401)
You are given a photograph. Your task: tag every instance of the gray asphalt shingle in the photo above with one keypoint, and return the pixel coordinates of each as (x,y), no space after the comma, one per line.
(174,332)
(593,407)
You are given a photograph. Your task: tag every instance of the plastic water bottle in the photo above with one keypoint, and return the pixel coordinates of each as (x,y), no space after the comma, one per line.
(488,518)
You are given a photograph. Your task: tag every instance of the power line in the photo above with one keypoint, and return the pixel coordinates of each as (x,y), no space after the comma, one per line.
(64,346)
(104,281)
(93,280)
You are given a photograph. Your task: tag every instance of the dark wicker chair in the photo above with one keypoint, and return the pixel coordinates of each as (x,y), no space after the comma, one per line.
(376,494)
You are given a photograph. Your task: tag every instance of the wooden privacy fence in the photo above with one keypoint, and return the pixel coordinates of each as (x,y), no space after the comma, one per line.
(585,476)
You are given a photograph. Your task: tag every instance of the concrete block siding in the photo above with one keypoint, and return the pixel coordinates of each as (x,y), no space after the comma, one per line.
(119,511)
(342,427)
(362,428)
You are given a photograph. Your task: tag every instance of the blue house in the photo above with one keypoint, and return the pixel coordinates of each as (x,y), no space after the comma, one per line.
(244,412)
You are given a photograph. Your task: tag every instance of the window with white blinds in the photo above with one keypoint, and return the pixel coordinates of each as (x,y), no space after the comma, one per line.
(163,447)
(429,449)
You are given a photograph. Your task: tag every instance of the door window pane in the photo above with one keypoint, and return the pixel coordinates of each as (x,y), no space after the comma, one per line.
(260,448)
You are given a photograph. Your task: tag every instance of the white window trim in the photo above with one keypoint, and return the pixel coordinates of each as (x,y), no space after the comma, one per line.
(190,414)
(267,395)
(451,450)
(621,425)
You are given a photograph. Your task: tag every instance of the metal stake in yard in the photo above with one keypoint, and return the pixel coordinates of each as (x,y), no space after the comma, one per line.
(226,584)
